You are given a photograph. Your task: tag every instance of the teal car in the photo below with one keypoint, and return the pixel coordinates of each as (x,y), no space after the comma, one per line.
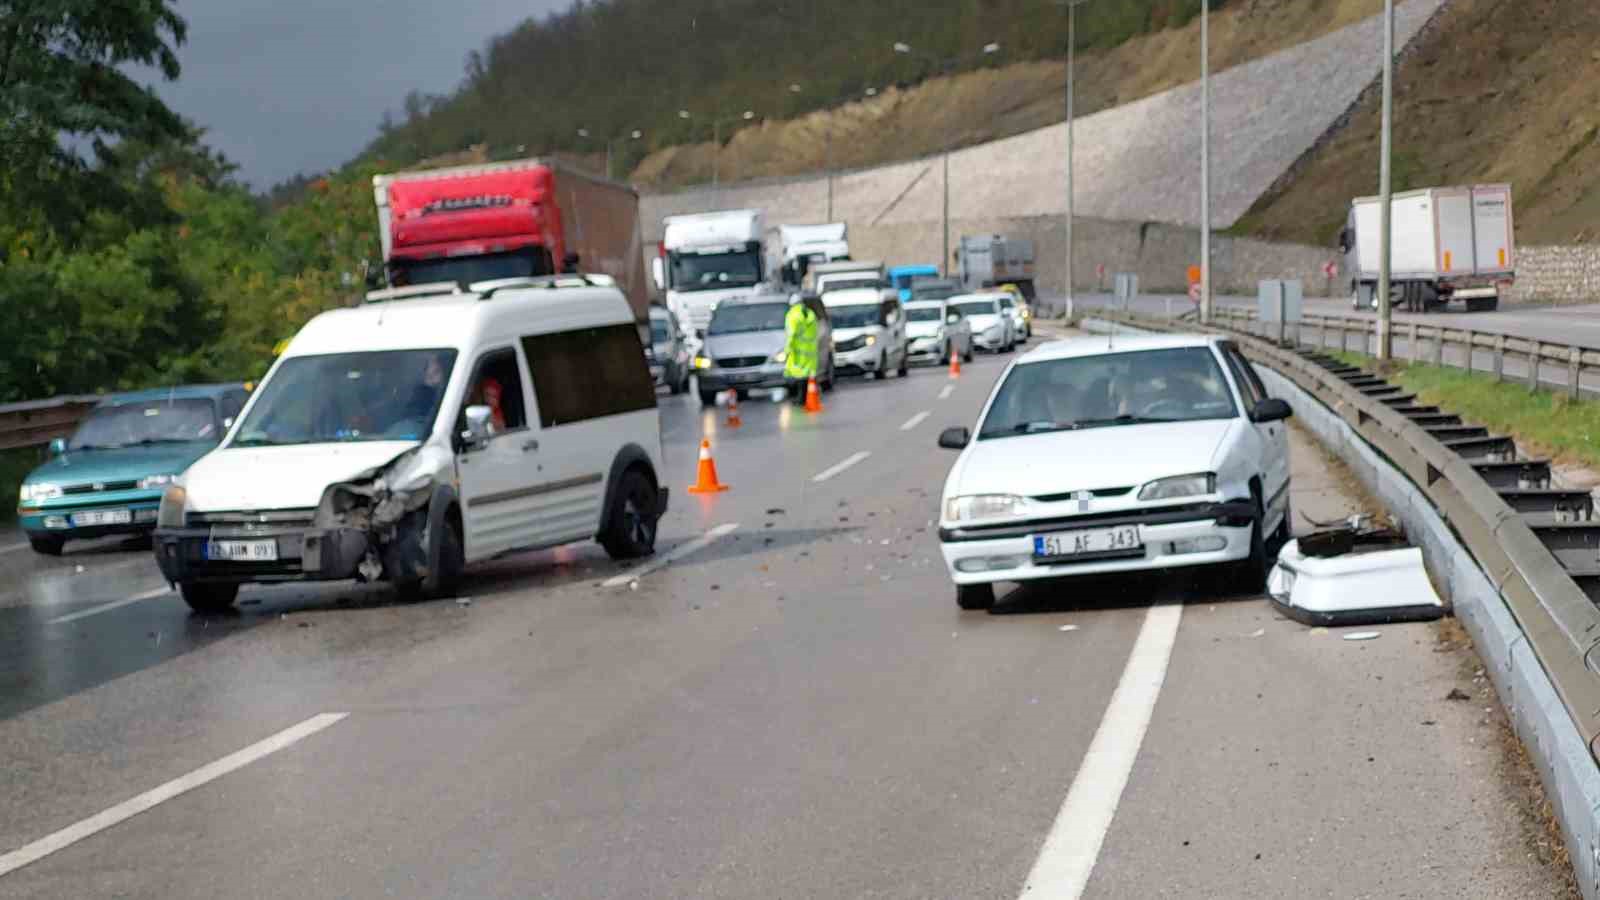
(109,477)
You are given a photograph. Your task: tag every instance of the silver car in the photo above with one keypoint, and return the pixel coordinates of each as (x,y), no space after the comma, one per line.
(744,346)
(992,327)
(666,351)
(937,332)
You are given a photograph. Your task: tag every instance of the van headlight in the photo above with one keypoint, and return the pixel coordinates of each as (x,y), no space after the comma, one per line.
(701,362)
(871,339)
(1179,486)
(32,493)
(984,506)
(173,502)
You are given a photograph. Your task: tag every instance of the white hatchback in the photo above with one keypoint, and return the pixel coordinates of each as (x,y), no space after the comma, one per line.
(1153,453)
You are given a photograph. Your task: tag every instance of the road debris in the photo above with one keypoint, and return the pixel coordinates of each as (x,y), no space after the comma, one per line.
(1457,694)
(1362,635)
(1258,632)
(1354,575)
(1068,628)
(463,601)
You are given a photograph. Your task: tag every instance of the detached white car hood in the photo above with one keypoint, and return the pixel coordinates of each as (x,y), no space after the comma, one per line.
(251,478)
(1032,465)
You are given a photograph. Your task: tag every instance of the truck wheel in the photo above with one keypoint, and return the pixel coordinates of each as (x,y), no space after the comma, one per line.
(631,532)
(209,599)
(48,546)
(975,596)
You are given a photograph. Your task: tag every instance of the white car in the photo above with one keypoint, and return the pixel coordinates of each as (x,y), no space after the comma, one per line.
(405,439)
(1155,453)
(937,332)
(1021,327)
(992,327)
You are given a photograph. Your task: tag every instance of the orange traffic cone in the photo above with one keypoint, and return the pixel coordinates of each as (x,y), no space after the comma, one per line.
(955,364)
(813,396)
(733,409)
(706,482)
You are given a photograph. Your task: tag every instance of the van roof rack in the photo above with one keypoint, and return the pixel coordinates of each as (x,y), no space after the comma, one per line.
(487,289)
(411,291)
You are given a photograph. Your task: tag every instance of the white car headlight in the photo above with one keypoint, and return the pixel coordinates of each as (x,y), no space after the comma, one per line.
(984,506)
(36,492)
(170,514)
(1179,486)
(156,481)
(871,339)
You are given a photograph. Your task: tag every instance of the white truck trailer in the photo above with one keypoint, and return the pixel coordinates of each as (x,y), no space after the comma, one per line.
(990,260)
(1454,243)
(706,258)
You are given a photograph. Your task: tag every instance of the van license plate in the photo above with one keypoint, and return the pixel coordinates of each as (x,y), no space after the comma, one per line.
(102,517)
(243,551)
(1087,542)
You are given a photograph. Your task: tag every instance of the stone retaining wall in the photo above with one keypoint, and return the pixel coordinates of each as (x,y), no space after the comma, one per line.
(1557,275)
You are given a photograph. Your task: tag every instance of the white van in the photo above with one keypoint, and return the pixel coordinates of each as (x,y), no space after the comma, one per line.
(869,332)
(406,438)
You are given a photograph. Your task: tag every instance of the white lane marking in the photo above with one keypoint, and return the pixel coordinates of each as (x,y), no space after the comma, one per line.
(127,809)
(945,393)
(915,420)
(14,547)
(1069,852)
(833,470)
(666,559)
(107,607)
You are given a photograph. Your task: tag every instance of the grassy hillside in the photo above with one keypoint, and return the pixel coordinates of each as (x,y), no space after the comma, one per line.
(613,66)
(1502,90)
(994,103)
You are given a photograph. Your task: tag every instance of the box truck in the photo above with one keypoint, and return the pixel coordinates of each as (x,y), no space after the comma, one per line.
(989,260)
(706,258)
(1454,243)
(529,217)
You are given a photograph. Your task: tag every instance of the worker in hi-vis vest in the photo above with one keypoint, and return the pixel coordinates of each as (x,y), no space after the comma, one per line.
(800,348)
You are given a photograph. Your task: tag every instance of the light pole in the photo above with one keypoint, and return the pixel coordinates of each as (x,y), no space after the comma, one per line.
(1072,49)
(906,49)
(1385,346)
(1205,161)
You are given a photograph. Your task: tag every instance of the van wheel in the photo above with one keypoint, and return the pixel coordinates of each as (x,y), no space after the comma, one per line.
(631,532)
(975,596)
(209,599)
(49,546)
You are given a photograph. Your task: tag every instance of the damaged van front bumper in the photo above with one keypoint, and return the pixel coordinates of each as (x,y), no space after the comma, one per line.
(243,554)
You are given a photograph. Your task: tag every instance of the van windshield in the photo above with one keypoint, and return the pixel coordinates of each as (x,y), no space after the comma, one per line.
(924,314)
(386,395)
(855,316)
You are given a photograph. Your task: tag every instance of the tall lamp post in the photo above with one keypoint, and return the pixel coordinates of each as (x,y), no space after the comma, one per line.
(1205,161)
(1072,49)
(906,49)
(1385,346)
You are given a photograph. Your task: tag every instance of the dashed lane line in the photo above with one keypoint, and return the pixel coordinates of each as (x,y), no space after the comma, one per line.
(916,420)
(107,607)
(946,391)
(1069,853)
(12,548)
(150,799)
(835,469)
(667,559)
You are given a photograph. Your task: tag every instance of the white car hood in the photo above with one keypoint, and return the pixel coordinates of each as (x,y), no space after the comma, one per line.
(983,321)
(251,478)
(1092,459)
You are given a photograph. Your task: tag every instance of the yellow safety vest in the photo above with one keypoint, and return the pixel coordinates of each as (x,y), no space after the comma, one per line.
(801,326)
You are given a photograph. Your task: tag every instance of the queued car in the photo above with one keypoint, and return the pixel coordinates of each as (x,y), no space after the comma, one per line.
(667,352)
(1156,453)
(992,326)
(745,346)
(869,332)
(108,478)
(406,439)
(937,333)
(1021,315)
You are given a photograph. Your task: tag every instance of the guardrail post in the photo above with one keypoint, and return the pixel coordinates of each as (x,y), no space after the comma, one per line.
(1499,357)
(1413,350)
(1472,343)
(1438,347)
(1574,360)
(1341,335)
(1533,366)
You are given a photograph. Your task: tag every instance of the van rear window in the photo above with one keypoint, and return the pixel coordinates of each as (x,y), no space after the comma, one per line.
(589,373)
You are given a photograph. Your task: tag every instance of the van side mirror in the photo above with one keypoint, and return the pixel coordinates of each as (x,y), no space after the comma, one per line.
(477,434)
(1271,409)
(954,438)
(58,446)
(658,273)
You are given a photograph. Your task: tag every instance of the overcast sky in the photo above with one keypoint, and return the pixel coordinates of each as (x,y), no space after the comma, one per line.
(289,86)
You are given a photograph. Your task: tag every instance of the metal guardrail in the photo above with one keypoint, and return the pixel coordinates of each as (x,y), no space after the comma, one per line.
(1559,620)
(37,422)
(1546,364)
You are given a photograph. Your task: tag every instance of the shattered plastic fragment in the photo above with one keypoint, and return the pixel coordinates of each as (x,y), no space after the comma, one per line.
(1361,635)
(1068,628)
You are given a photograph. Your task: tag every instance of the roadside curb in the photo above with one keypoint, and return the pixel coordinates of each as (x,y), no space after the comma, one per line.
(1555,745)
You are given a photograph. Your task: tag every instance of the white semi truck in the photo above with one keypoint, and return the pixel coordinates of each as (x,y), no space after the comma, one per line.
(802,246)
(707,258)
(1454,243)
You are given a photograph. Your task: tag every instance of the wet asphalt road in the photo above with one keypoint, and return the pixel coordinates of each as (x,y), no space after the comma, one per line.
(797,709)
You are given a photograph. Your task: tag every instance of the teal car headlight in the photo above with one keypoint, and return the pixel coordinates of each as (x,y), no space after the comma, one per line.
(33,493)
(155,481)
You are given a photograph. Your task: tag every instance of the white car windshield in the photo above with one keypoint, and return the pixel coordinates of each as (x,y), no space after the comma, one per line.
(974,308)
(1178,385)
(924,314)
(388,395)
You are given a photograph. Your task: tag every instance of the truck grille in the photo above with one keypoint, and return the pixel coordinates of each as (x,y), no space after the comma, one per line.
(740,362)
